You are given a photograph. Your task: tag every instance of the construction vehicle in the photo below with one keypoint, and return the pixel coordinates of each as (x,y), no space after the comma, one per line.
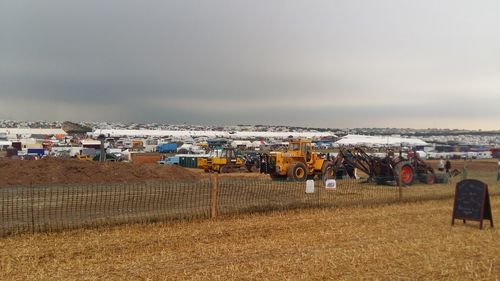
(83,157)
(252,161)
(137,144)
(298,163)
(224,160)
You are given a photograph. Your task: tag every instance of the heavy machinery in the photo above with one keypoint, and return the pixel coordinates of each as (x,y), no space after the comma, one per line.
(299,162)
(223,161)
(252,161)
(83,157)
(402,171)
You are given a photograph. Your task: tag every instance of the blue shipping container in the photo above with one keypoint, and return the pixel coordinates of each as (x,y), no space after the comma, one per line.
(39,151)
(166,147)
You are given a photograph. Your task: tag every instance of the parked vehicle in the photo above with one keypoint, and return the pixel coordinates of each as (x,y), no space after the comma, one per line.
(224,162)
(83,157)
(174,160)
(400,170)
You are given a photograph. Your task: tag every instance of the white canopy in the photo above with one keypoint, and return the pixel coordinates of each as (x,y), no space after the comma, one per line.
(5,143)
(209,134)
(379,141)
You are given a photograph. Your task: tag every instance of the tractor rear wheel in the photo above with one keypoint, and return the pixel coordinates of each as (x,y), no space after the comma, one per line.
(298,172)
(403,173)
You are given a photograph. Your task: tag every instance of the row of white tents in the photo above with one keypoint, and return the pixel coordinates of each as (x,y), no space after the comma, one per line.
(380,141)
(209,134)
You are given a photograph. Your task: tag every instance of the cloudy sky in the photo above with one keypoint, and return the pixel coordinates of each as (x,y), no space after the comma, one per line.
(385,63)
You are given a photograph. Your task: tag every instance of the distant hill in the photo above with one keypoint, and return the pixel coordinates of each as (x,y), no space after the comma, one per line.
(73,128)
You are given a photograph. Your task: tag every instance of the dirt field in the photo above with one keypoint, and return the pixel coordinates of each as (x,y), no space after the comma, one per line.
(61,171)
(397,242)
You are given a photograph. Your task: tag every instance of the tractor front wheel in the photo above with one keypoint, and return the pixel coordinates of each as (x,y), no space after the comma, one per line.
(327,171)
(428,178)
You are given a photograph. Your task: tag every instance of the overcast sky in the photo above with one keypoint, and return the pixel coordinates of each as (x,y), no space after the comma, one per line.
(384,63)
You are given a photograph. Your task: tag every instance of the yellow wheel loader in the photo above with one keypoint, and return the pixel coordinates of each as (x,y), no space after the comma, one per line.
(298,163)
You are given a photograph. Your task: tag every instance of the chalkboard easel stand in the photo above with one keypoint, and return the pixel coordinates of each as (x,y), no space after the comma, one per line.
(472,202)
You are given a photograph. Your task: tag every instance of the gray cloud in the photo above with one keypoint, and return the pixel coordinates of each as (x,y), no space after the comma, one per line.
(359,63)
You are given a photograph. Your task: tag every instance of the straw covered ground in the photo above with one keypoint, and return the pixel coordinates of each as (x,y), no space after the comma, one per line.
(412,241)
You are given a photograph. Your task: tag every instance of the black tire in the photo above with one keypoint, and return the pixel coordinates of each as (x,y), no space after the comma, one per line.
(427,178)
(380,180)
(442,178)
(298,172)
(249,168)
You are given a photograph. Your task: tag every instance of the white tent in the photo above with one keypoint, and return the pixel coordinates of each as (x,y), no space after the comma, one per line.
(379,141)
(27,132)
(241,143)
(257,144)
(209,134)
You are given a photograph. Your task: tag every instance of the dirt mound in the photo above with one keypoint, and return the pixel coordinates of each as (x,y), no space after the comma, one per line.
(50,170)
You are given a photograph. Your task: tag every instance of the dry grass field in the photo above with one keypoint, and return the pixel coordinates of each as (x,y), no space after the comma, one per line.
(413,241)
(405,241)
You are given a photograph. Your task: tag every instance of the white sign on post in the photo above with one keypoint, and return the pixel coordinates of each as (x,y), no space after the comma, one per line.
(309,186)
(330,184)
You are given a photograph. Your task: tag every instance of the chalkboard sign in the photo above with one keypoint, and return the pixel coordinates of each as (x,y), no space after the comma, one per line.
(472,202)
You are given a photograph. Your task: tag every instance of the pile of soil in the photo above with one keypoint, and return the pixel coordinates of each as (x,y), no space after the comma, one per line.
(70,171)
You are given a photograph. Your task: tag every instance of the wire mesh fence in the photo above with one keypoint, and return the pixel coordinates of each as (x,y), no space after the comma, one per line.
(41,208)
(48,208)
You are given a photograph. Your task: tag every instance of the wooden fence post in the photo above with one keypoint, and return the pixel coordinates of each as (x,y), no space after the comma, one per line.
(214,179)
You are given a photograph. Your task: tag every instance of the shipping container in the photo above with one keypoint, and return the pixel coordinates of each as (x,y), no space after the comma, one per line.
(188,161)
(37,151)
(17,145)
(166,147)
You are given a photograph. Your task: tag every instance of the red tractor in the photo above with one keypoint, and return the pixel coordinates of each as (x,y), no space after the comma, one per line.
(402,171)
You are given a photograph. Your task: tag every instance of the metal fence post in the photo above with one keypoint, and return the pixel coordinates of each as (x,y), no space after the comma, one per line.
(400,192)
(319,189)
(214,180)
(32,201)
